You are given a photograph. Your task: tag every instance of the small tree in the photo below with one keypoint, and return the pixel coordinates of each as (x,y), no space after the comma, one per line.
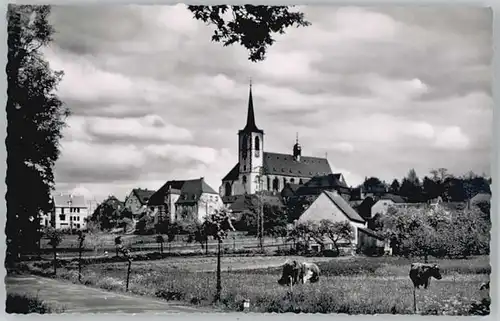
(160,240)
(301,235)
(126,254)
(81,239)
(337,232)
(217,225)
(118,243)
(55,238)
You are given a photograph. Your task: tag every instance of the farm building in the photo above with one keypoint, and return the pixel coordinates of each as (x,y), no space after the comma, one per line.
(258,170)
(180,200)
(331,206)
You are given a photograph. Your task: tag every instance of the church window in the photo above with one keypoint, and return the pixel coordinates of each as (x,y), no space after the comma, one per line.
(244,167)
(275,184)
(284,181)
(257,143)
(292,180)
(268,183)
(227,189)
(244,179)
(301,182)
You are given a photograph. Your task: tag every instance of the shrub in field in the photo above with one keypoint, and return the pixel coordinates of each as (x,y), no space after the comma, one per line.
(16,303)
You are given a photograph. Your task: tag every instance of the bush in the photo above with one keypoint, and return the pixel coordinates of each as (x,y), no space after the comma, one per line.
(24,304)
(331,253)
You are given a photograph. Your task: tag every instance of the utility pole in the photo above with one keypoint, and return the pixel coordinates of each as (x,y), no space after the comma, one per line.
(260,215)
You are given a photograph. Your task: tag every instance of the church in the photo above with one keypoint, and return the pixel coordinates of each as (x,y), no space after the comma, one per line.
(261,171)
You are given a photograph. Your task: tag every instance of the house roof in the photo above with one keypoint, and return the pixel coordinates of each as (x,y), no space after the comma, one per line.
(67,200)
(344,206)
(371,233)
(189,191)
(143,195)
(318,184)
(481,197)
(289,190)
(395,198)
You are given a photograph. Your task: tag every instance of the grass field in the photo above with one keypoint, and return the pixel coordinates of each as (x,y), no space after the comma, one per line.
(348,285)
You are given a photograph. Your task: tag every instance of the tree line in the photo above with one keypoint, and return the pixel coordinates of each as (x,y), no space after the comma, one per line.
(439,183)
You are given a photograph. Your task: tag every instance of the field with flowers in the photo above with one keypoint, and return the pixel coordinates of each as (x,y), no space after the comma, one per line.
(348,285)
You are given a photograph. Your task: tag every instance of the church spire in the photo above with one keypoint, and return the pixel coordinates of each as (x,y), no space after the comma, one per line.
(251,126)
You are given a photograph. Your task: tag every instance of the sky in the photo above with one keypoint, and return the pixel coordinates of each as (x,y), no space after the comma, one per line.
(378,90)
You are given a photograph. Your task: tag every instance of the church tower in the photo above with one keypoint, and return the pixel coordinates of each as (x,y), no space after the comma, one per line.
(297,149)
(250,151)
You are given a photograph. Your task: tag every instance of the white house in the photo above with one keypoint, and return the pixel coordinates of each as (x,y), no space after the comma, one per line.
(69,211)
(386,201)
(331,206)
(184,200)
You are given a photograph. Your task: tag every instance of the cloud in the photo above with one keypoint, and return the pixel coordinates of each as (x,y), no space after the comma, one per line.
(452,138)
(380,89)
(150,127)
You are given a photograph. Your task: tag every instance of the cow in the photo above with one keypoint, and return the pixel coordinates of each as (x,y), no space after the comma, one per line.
(420,274)
(295,272)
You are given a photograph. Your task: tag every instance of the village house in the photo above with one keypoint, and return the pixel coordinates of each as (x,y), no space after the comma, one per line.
(332,206)
(258,170)
(184,200)
(381,206)
(137,201)
(69,212)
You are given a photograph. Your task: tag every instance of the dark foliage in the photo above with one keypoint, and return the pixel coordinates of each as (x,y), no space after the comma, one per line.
(250,26)
(35,119)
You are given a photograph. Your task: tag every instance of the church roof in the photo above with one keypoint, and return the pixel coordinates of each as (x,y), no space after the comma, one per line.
(189,190)
(286,165)
(233,174)
(283,164)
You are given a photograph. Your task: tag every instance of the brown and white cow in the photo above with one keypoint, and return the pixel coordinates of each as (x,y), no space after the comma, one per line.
(295,272)
(420,274)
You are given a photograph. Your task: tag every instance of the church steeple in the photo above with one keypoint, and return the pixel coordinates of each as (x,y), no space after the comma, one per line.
(251,126)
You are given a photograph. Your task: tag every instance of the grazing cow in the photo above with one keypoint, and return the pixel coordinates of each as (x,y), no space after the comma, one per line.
(295,272)
(420,274)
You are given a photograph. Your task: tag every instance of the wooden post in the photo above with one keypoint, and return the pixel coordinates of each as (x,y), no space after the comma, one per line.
(414,300)
(55,260)
(128,274)
(219,287)
(80,265)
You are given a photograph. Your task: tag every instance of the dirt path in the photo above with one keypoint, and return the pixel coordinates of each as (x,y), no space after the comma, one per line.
(76,298)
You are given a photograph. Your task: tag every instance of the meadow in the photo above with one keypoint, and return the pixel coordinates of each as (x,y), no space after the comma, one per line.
(352,285)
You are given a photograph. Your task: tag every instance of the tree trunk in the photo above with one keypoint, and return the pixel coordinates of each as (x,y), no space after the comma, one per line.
(426,258)
(55,260)
(219,287)
(161,247)
(128,274)
(206,246)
